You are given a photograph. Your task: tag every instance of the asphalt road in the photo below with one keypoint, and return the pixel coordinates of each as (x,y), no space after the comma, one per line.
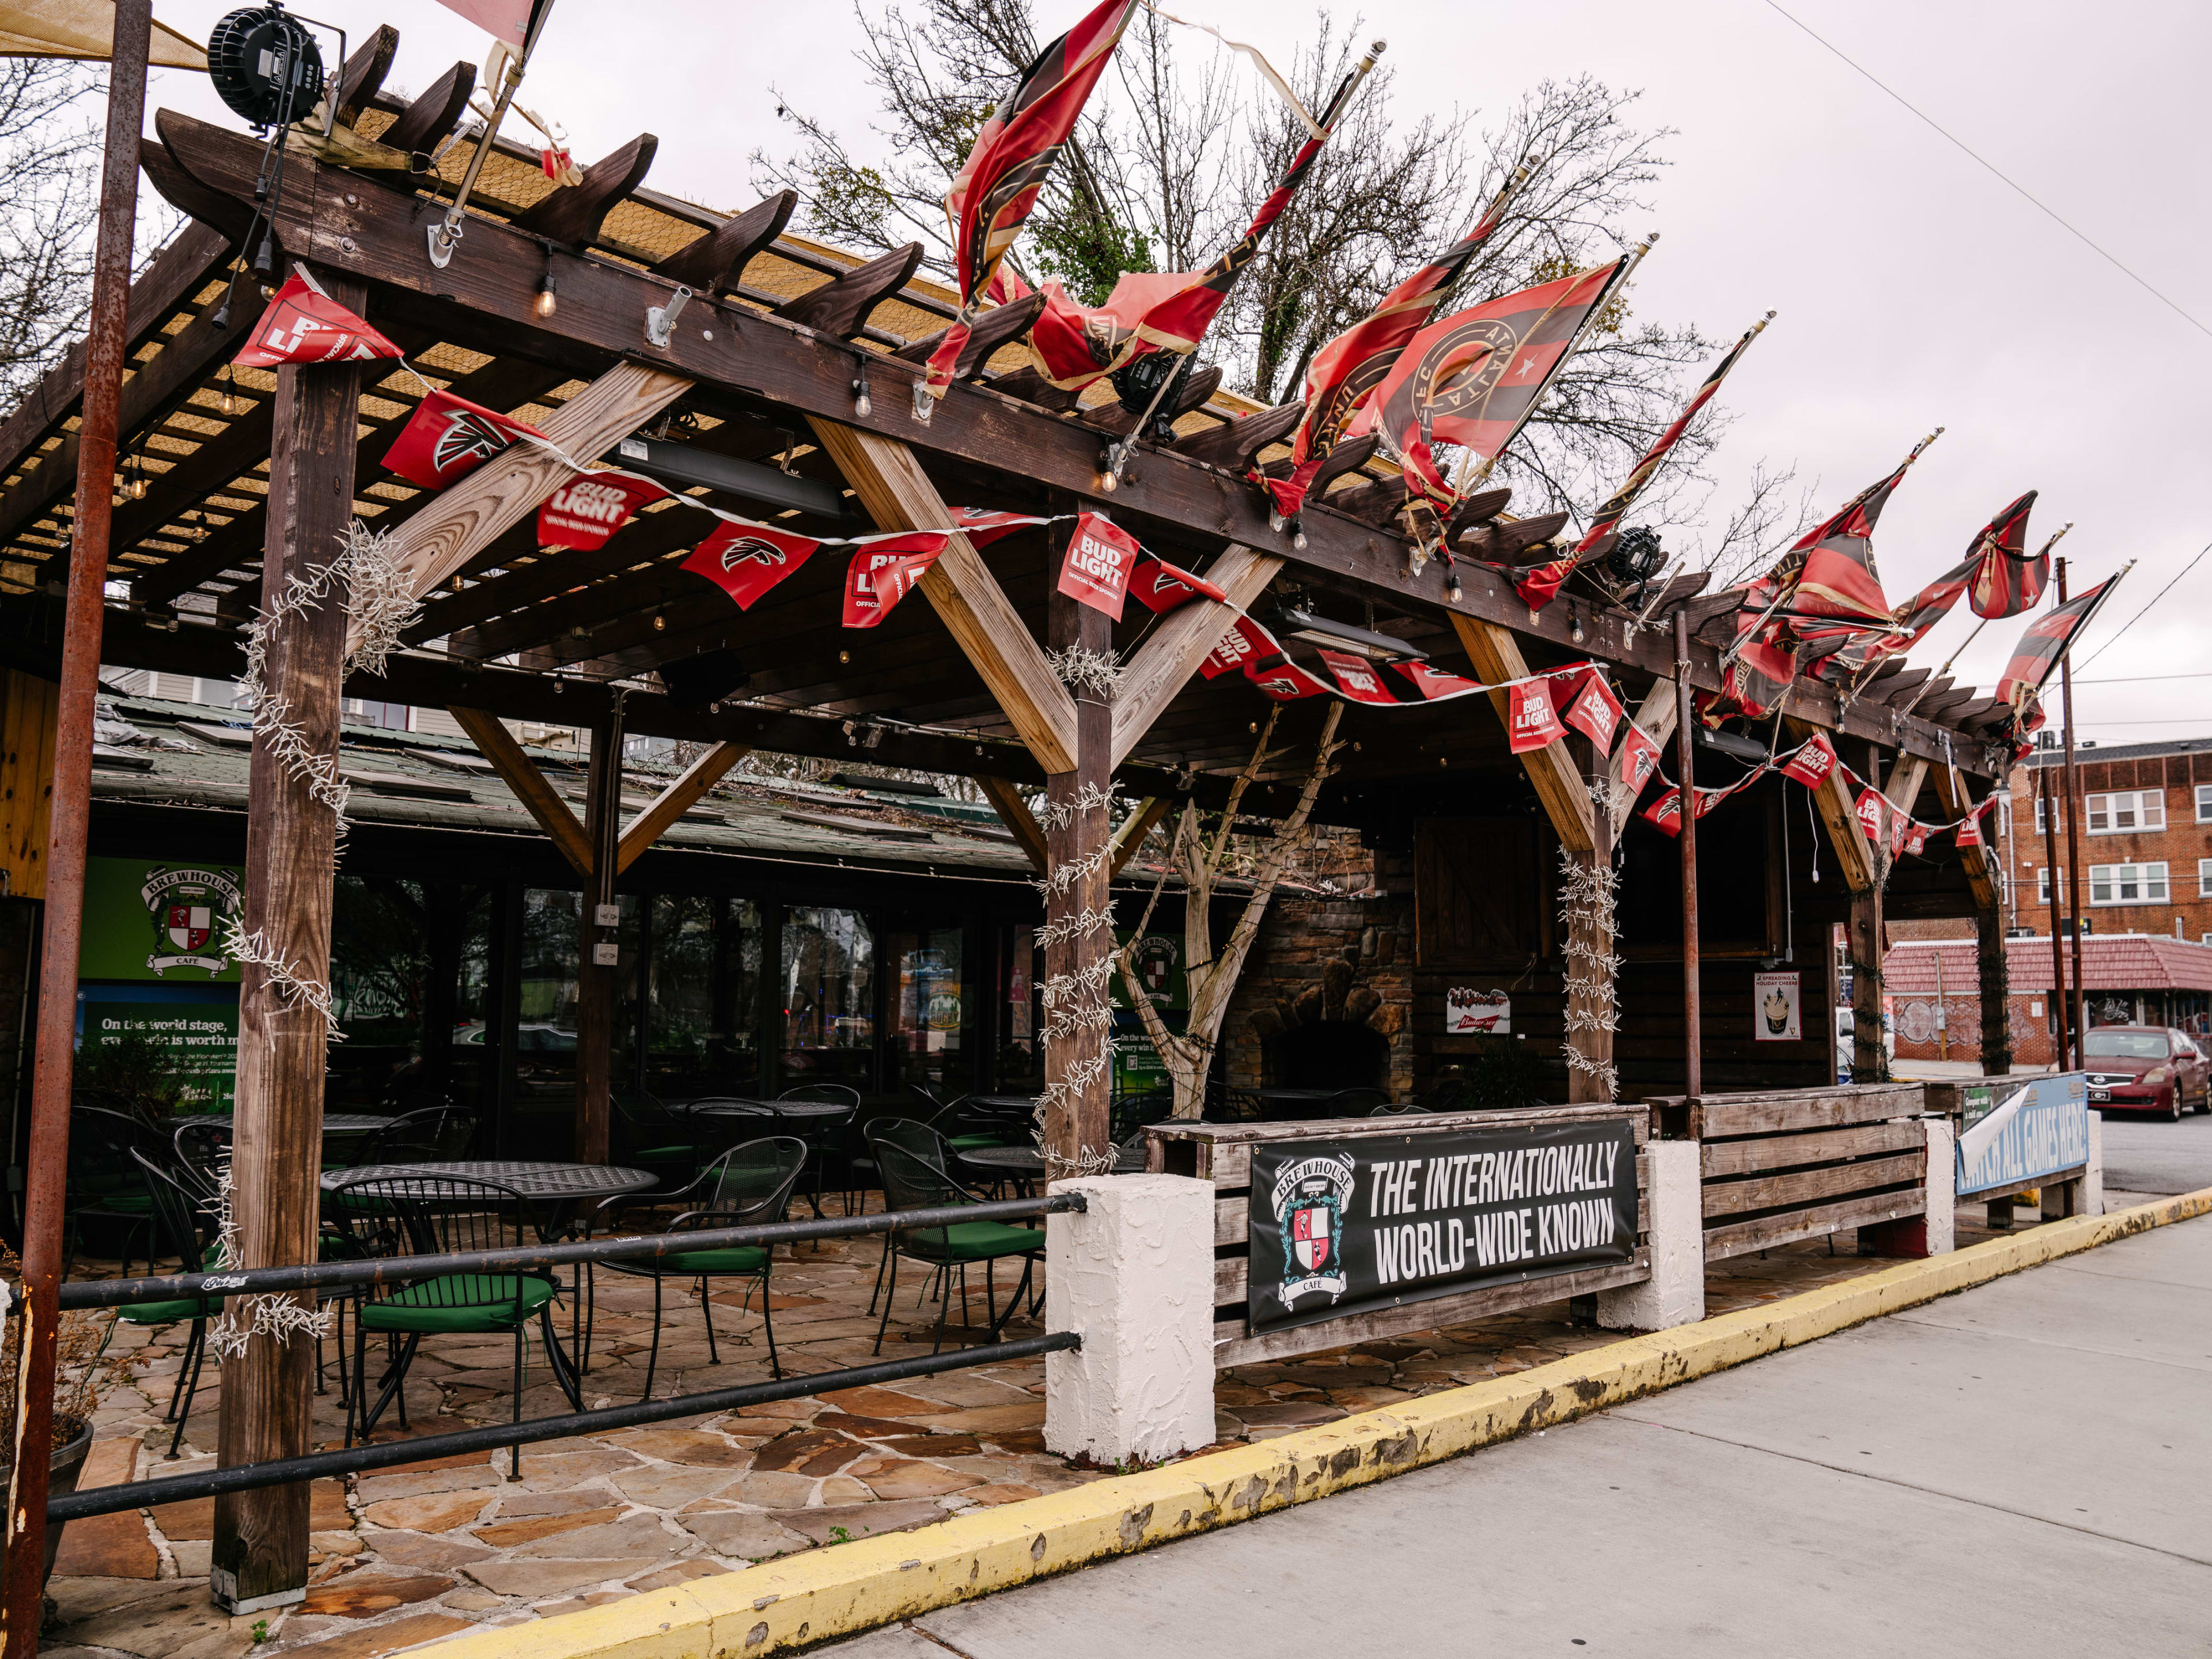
(2145,1154)
(2024,1465)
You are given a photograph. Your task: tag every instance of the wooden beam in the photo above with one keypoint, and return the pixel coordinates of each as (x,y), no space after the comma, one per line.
(1496,656)
(682,794)
(470,515)
(1014,812)
(1655,714)
(595,980)
(840,305)
(1180,641)
(573,213)
(521,773)
(1073,1114)
(1135,828)
(1981,873)
(714,262)
(425,122)
(898,495)
(1839,815)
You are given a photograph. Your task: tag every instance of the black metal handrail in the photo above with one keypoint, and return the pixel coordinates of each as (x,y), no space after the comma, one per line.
(392,1270)
(277,1472)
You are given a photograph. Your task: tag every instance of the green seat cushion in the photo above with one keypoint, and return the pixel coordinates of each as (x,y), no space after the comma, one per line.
(457,1303)
(974,1241)
(972,1143)
(665,1154)
(119,1202)
(167,1313)
(738,1259)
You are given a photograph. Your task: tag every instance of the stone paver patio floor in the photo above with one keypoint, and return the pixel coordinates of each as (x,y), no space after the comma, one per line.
(407,1555)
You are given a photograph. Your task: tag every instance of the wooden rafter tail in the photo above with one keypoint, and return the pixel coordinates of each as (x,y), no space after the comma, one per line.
(684,793)
(223,213)
(1130,837)
(1496,653)
(429,119)
(1180,641)
(574,213)
(1478,509)
(521,773)
(1014,812)
(1111,417)
(715,263)
(1348,457)
(1509,544)
(1376,502)
(898,495)
(999,326)
(843,305)
(1027,385)
(1235,445)
(362,78)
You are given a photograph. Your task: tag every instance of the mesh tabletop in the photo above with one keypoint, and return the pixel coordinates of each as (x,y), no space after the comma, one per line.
(1028,1161)
(531,1180)
(334,1123)
(739,1107)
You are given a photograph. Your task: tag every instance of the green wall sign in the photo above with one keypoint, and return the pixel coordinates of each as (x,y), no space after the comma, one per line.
(150,920)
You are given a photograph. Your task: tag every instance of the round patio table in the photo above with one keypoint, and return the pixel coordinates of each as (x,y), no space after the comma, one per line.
(334,1123)
(806,1119)
(1025,1165)
(557,1184)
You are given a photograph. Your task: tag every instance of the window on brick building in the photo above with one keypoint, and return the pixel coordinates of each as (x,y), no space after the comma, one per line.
(2127,883)
(2043,884)
(2204,803)
(2126,811)
(2204,877)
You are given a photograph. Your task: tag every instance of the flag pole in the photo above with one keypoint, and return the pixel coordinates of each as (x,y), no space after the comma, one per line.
(1476,474)
(1117,454)
(446,235)
(2073,796)
(1978,627)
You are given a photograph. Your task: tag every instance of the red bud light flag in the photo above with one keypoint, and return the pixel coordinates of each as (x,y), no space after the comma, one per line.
(448,437)
(1096,570)
(1357,677)
(584,513)
(1532,722)
(883,571)
(1593,710)
(304,324)
(746,559)
(1815,760)
(1242,645)
(1869,807)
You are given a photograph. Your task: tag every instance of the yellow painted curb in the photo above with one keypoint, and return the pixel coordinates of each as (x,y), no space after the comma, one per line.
(800,1600)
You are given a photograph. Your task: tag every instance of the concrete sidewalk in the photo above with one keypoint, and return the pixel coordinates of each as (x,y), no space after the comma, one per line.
(2028,1463)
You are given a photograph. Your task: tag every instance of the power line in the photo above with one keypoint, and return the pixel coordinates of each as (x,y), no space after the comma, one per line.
(2142,679)
(2081,236)
(2154,598)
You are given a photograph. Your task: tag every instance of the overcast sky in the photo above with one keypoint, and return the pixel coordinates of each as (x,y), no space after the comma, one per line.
(1915,289)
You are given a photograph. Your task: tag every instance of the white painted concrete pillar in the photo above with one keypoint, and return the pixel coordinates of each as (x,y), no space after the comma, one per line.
(1676,1292)
(2091,1199)
(1942,1217)
(1134,1274)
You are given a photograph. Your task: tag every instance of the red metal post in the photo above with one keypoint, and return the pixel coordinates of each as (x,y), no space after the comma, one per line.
(2073,827)
(22,1594)
(1686,764)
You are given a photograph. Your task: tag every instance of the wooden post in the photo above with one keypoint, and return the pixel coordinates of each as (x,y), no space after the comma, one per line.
(595,979)
(1996,991)
(1863,939)
(1591,994)
(106,358)
(259,1558)
(1077,1072)
(1685,719)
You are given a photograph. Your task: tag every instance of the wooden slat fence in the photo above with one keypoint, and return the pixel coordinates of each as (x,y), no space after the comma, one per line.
(1222,1153)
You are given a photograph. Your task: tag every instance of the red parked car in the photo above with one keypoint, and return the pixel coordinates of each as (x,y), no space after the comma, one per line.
(2146,1068)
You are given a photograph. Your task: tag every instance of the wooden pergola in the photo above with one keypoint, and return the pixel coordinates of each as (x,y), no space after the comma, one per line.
(780,390)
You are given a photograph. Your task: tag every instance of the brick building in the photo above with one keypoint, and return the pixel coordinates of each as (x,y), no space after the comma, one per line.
(2145,816)
(2128,979)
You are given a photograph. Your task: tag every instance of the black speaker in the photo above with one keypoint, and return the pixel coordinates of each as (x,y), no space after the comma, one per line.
(708,678)
(265,65)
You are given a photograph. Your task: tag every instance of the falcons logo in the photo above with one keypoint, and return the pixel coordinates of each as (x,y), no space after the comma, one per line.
(468,436)
(1279,682)
(752,551)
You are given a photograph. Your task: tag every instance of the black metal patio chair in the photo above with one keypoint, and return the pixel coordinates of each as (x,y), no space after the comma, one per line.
(915,1183)
(171,1209)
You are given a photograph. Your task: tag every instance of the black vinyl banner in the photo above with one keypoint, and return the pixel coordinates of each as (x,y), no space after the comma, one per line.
(1352,1226)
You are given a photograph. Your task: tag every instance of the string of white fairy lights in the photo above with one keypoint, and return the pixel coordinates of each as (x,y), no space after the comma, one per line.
(1588,888)
(244,1317)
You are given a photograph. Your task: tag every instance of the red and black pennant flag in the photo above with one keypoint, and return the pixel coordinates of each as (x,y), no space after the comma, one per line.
(1165,311)
(997,186)
(1349,368)
(304,324)
(584,513)
(1474,378)
(1160,586)
(1540,586)
(449,437)
(746,559)
(2045,641)
(1995,558)
(2008,580)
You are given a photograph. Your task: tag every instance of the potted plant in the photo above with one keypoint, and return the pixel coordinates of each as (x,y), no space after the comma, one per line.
(80,1365)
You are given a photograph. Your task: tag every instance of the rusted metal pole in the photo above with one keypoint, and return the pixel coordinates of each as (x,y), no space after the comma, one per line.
(2078,1022)
(2058,938)
(23,1594)
(596,980)
(1686,764)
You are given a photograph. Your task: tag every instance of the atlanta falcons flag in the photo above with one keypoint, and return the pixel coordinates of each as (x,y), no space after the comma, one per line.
(2008,581)
(997,186)
(1540,586)
(1474,378)
(2046,640)
(1165,311)
(1435,683)
(1345,370)
(304,324)
(746,559)
(1160,586)
(449,437)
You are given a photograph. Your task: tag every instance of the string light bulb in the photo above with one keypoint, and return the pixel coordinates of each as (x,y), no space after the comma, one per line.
(659,623)
(863,405)
(548,303)
(229,390)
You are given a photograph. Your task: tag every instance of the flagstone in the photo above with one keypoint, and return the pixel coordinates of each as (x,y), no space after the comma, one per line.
(813,1452)
(933,1445)
(773,1491)
(505,1534)
(744,1534)
(379,1639)
(372,1489)
(693,1446)
(637,1535)
(415,1549)
(663,1487)
(363,1594)
(853,1521)
(432,1512)
(877,1402)
(545,1469)
(541,1578)
(985,1420)
(911,1479)
(1291,1413)
(566,1501)
(679,1572)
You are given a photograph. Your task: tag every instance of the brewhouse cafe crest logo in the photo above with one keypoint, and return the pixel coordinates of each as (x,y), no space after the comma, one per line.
(188,908)
(1310,1196)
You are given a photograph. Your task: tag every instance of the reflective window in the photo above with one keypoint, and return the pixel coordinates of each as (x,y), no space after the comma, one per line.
(825,984)
(1021,1052)
(931,1012)
(544,1101)
(702,1009)
(409,974)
